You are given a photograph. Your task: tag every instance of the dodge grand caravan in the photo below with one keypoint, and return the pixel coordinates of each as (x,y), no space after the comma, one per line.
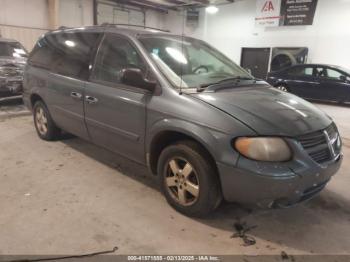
(202,124)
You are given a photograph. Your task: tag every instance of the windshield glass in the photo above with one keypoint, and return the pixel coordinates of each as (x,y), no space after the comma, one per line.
(194,60)
(12,49)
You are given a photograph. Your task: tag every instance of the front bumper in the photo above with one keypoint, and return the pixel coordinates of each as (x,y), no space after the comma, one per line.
(276,184)
(11,86)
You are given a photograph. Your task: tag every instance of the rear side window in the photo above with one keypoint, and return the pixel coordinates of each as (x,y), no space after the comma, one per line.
(66,54)
(301,71)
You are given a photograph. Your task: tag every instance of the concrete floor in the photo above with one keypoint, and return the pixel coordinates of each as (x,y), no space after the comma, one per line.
(71,197)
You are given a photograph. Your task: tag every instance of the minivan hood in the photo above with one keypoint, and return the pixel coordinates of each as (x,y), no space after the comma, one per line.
(267,110)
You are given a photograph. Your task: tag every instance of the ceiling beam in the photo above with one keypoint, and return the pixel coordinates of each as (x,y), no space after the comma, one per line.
(146,4)
(203,2)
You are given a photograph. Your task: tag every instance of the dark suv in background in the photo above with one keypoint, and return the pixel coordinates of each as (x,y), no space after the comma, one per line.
(206,127)
(13,58)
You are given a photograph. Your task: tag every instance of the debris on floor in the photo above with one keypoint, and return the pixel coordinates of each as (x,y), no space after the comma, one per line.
(241,229)
(285,256)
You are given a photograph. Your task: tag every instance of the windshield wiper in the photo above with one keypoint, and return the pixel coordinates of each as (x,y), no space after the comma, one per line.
(222,81)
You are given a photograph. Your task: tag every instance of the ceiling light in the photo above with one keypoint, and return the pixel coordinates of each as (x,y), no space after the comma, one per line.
(212,9)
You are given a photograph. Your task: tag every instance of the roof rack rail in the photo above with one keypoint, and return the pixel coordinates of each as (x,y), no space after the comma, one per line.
(141,26)
(63,27)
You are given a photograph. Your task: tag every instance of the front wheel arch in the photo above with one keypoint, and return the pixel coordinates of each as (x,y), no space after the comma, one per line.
(166,138)
(35,98)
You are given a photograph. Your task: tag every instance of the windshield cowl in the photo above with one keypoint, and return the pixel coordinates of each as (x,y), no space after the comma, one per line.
(227,83)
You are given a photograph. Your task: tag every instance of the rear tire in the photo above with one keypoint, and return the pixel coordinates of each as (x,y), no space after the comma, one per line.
(44,125)
(188,180)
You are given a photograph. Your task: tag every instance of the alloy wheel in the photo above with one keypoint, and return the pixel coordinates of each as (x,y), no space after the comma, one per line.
(282,88)
(41,121)
(182,181)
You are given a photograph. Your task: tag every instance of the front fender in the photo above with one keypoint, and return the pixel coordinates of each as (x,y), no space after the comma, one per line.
(217,143)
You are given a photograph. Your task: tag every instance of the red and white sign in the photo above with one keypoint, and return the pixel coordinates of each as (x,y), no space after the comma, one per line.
(268,12)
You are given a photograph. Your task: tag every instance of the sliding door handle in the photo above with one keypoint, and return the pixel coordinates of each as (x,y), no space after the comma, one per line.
(76,95)
(91,99)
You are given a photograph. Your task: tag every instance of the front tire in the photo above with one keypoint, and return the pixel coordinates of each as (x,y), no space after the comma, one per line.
(189,181)
(44,125)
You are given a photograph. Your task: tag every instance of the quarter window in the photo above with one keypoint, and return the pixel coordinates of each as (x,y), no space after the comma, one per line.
(75,52)
(42,54)
(67,54)
(114,55)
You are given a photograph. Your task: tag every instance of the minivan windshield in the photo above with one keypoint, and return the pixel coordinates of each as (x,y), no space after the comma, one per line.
(12,49)
(190,63)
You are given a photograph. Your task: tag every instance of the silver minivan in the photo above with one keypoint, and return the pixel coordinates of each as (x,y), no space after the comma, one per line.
(203,125)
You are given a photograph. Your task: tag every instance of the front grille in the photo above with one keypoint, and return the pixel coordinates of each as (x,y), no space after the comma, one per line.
(11,72)
(323,145)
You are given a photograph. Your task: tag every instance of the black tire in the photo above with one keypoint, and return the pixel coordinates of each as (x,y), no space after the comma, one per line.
(209,196)
(52,131)
(282,87)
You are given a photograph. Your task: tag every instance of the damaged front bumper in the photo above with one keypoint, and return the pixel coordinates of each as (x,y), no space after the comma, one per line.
(276,185)
(11,86)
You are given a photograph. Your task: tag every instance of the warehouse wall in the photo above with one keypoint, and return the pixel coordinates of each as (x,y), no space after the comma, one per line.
(156,19)
(233,27)
(75,13)
(16,23)
(27,20)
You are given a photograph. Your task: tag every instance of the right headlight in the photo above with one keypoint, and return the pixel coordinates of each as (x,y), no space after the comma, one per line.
(271,149)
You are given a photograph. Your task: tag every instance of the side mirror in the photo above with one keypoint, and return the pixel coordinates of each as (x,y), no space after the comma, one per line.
(134,77)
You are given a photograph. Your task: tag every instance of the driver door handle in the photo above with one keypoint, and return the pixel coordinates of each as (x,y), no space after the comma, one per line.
(91,99)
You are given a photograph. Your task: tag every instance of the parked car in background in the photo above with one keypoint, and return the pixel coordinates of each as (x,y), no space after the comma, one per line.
(206,127)
(13,58)
(314,81)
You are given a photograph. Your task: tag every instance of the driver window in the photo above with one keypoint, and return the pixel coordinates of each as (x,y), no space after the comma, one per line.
(114,55)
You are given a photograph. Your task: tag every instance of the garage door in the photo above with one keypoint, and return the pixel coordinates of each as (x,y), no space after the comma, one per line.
(112,13)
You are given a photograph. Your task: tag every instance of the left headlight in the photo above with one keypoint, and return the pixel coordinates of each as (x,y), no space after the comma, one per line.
(271,149)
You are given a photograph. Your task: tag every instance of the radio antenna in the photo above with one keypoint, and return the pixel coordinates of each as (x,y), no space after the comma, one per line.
(182,47)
